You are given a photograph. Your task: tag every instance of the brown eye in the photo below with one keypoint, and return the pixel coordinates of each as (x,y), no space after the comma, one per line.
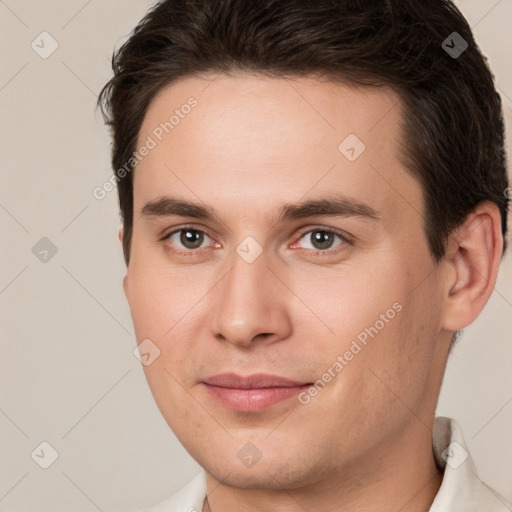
(191,239)
(320,239)
(188,238)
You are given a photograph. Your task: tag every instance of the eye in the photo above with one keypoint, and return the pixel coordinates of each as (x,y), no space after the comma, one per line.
(189,238)
(322,240)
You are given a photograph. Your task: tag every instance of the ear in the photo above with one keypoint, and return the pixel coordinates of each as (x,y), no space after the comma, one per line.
(125,286)
(120,235)
(471,265)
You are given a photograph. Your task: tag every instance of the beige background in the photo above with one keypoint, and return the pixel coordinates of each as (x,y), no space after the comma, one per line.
(68,374)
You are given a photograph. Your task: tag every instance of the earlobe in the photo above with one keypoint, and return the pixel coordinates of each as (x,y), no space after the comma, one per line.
(472,261)
(120,234)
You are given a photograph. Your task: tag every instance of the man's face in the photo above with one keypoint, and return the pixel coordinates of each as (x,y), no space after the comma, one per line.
(344,295)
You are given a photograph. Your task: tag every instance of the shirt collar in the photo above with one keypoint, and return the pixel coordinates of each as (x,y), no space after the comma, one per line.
(461,489)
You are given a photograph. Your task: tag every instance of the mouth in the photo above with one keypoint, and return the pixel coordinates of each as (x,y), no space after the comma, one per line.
(253,393)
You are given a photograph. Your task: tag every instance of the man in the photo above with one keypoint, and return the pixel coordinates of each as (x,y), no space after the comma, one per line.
(313,198)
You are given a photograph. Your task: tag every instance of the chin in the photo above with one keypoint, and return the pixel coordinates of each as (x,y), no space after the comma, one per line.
(276,471)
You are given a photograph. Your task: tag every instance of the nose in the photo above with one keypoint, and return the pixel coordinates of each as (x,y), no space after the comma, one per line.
(250,305)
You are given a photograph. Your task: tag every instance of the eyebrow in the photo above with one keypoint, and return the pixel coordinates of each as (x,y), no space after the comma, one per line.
(328,207)
(339,206)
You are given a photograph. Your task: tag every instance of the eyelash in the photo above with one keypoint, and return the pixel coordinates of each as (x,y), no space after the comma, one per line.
(345,241)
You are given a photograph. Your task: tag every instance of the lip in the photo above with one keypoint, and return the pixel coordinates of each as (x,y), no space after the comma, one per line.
(253,393)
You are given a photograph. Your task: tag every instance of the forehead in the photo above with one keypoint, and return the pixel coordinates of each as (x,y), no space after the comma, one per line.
(250,104)
(256,138)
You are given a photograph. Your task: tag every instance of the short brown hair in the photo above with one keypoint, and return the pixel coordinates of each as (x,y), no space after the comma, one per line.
(453,130)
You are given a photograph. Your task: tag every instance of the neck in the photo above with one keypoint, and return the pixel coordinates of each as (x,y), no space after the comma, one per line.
(402,475)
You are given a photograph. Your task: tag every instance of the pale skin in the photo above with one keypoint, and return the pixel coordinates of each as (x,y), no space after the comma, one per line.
(250,147)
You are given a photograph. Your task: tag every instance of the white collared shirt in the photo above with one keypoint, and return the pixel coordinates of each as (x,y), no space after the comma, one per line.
(461,490)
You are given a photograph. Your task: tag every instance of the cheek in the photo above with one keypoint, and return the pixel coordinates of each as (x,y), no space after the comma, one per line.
(370,330)
(348,300)
(165,304)
(183,414)
(160,296)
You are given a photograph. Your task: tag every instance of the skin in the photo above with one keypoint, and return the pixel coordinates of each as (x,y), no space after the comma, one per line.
(252,145)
